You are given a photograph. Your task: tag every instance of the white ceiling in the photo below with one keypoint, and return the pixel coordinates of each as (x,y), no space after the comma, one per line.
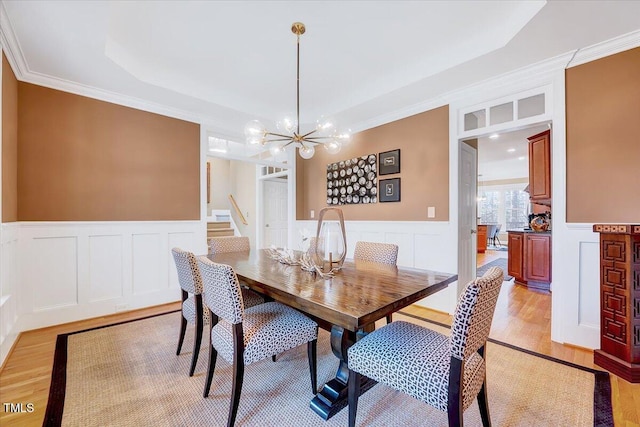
(226,62)
(496,162)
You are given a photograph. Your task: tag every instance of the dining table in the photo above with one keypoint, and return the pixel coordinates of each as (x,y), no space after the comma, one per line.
(347,304)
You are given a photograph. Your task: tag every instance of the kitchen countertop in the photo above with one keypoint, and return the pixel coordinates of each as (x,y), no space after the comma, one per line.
(524,230)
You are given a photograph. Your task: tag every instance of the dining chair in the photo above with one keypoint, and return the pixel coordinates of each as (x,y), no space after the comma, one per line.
(229,244)
(243,336)
(446,372)
(193,311)
(495,237)
(384,253)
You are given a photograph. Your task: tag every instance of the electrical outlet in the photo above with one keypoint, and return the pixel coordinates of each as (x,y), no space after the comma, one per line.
(312,214)
(431,212)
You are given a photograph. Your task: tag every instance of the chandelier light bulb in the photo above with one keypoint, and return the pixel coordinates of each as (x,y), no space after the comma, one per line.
(326,126)
(254,128)
(344,137)
(275,149)
(333,147)
(254,140)
(287,124)
(306,151)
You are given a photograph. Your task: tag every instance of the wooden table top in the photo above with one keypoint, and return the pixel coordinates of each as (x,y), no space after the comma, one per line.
(358,295)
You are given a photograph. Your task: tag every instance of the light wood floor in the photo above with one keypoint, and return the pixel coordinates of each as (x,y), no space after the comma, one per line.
(522,318)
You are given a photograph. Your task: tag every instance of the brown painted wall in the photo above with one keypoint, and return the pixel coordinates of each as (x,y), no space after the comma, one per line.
(80,159)
(423,141)
(603,139)
(9,143)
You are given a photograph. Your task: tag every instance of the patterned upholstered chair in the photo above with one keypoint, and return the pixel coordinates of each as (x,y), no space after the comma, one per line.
(243,336)
(384,253)
(229,244)
(447,372)
(192,308)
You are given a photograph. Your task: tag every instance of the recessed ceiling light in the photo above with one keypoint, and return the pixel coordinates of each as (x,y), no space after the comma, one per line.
(494,136)
(521,158)
(511,150)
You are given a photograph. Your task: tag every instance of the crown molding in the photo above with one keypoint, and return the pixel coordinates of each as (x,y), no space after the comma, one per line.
(610,47)
(10,45)
(109,96)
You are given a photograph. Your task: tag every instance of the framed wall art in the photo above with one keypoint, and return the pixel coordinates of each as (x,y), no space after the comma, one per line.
(390,190)
(389,162)
(353,181)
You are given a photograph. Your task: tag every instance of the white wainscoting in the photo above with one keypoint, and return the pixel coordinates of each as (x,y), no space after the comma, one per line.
(576,284)
(422,244)
(9,280)
(78,270)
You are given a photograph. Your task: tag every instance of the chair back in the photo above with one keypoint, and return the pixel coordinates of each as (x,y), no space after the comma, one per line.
(496,231)
(218,245)
(384,253)
(188,274)
(474,314)
(221,293)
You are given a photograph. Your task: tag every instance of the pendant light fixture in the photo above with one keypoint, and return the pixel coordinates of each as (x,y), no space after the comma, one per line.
(288,129)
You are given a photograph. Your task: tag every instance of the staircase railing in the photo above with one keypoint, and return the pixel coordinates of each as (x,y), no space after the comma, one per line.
(237,209)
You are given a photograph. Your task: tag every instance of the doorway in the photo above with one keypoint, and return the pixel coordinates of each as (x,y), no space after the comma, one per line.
(275,212)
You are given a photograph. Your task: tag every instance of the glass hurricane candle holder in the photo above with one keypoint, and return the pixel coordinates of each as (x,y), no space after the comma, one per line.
(331,241)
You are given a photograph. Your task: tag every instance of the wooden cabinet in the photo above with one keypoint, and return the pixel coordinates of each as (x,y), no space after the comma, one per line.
(529,259)
(540,166)
(537,260)
(515,259)
(482,238)
(619,300)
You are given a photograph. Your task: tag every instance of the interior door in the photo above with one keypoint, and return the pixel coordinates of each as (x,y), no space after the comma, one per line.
(467,212)
(275,197)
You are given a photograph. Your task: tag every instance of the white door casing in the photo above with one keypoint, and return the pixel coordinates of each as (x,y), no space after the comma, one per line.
(467,222)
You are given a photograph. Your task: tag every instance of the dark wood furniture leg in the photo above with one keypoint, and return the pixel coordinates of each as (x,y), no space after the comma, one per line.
(183,325)
(312,355)
(354,394)
(334,394)
(238,372)
(198,337)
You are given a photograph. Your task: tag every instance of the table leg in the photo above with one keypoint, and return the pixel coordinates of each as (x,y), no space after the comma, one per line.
(333,396)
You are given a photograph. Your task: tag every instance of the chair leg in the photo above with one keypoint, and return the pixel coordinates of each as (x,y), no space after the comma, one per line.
(454,400)
(196,347)
(236,389)
(389,319)
(183,329)
(354,394)
(483,403)
(313,364)
(273,358)
(213,356)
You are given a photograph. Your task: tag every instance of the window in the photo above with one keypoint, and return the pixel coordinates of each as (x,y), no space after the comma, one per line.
(503,204)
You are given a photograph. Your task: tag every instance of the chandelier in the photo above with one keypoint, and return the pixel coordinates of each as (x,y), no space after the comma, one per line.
(288,129)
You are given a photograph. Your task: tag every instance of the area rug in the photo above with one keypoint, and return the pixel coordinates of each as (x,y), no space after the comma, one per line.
(500,262)
(128,375)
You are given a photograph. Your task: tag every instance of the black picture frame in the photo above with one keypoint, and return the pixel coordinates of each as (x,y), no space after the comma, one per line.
(389,190)
(389,162)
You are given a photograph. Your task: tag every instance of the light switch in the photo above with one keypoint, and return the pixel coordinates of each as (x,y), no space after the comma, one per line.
(312,214)
(431,212)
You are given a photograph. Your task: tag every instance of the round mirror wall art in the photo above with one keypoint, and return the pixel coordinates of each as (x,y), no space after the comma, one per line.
(353,181)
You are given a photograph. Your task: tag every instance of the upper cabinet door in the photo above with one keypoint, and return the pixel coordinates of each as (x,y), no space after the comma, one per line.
(540,166)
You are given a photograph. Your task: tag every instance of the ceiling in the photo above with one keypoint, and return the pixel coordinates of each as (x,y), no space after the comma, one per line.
(227,62)
(506,156)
